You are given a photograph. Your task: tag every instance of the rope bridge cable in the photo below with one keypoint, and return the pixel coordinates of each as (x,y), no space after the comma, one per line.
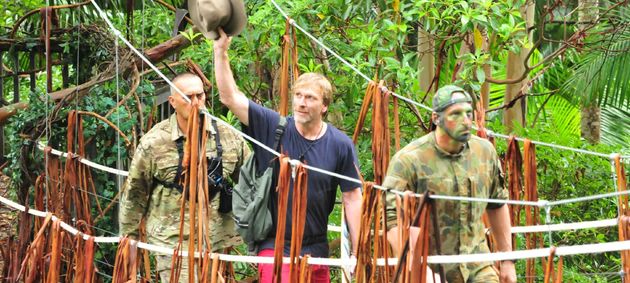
(352,67)
(539,203)
(438,259)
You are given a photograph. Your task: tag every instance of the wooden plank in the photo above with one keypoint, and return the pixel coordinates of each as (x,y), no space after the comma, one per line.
(2,100)
(16,77)
(3,103)
(7,44)
(32,66)
(48,21)
(65,73)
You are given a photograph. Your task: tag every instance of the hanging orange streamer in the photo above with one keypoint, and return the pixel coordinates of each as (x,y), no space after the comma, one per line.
(83,259)
(370,92)
(513,164)
(532,240)
(298,212)
(412,261)
(549,268)
(624,216)
(289,61)
(32,266)
(380,134)
(125,266)
(282,189)
(194,165)
(56,235)
(365,267)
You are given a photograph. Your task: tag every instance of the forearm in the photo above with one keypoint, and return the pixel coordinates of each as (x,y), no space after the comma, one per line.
(501,228)
(229,94)
(352,205)
(224,76)
(501,231)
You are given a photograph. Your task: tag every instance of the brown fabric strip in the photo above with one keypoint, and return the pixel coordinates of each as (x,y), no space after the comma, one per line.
(284,179)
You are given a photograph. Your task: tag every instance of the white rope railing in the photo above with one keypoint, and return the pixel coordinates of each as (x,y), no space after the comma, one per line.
(438,259)
(540,203)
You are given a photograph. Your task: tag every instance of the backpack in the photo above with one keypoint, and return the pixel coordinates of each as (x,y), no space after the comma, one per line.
(250,198)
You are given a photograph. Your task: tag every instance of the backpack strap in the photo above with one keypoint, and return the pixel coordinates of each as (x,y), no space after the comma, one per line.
(282,124)
(175,184)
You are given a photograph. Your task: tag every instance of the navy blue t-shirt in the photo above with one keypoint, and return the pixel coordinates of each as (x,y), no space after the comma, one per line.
(333,152)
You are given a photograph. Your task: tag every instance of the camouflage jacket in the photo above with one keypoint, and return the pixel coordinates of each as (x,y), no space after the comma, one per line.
(473,172)
(156,157)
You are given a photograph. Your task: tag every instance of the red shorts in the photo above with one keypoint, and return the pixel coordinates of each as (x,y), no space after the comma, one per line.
(319,273)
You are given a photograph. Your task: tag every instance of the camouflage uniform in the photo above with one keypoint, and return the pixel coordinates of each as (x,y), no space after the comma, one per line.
(156,157)
(473,172)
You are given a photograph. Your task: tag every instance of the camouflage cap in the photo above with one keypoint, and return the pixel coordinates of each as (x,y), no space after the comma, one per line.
(443,98)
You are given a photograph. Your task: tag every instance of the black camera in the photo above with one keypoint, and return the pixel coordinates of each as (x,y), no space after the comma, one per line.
(217,184)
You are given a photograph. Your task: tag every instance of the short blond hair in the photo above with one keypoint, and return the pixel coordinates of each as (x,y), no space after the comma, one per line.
(316,82)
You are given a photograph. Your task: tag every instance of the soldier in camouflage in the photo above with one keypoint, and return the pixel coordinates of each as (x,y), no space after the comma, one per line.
(154,166)
(449,161)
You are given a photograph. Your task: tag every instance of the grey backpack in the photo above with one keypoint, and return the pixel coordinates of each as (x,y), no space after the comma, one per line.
(250,198)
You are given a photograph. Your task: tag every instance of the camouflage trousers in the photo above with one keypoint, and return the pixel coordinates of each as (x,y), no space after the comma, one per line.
(163,265)
(164,262)
(485,274)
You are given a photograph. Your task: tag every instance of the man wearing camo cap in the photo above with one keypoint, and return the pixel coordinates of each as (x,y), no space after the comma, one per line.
(450,161)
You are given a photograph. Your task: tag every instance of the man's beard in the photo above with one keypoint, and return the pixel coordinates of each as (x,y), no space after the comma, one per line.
(459,138)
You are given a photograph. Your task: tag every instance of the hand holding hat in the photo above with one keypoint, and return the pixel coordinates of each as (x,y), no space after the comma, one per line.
(208,15)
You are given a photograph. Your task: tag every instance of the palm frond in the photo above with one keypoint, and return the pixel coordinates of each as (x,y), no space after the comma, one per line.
(615,126)
(600,75)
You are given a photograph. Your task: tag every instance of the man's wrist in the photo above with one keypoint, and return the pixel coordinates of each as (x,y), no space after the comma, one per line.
(513,261)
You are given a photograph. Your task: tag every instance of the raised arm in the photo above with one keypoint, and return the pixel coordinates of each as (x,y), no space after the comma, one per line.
(228,91)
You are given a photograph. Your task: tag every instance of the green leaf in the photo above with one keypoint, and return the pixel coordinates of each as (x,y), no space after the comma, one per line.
(465,20)
(481,75)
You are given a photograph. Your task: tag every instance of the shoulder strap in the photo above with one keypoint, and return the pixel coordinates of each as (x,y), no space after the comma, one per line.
(282,124)
(217,139)
(175,184)
(180,151)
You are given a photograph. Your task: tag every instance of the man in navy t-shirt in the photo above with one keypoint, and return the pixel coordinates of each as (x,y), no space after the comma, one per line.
(309,139)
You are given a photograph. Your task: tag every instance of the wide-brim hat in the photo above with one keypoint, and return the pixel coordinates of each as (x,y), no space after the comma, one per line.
(208,15)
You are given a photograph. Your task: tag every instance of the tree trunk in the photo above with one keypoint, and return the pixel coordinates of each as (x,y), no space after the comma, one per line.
(484,93)
(590,119)
(589,123)
(466,47)
(515,68)
(426,53)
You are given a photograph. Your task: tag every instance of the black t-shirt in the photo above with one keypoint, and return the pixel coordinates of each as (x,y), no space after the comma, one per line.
(333,152)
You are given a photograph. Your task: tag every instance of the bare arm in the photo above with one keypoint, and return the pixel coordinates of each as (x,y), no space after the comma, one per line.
(352,203)
(501,231)
(229,94)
